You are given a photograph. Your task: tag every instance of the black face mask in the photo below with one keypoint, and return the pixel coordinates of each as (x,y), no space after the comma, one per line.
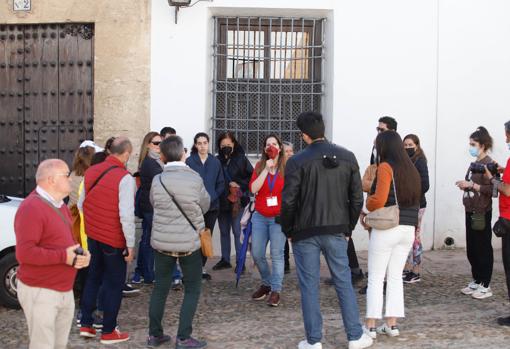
(226,151)
(410,152)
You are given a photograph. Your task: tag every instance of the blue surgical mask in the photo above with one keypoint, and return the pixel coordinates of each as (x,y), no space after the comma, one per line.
(474,151)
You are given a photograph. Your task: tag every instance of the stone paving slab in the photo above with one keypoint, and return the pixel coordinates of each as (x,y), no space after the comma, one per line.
(438,315)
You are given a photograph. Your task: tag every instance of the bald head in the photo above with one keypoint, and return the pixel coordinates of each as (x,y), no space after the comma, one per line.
(49,168)
(53,176)
(121,145)
(121,148)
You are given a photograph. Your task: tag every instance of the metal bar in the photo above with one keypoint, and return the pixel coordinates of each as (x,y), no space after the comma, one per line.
(259,81)
(248,82)
(214,82)
(303,62)
(313,62)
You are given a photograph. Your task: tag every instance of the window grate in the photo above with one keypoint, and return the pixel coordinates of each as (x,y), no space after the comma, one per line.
(266,72)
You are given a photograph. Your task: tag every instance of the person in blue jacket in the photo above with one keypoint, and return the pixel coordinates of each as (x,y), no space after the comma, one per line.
(210,169)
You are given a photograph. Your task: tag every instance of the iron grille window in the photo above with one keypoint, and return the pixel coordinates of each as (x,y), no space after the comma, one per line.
(266,72)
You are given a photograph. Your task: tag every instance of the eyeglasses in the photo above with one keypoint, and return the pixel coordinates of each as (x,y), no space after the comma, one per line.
(156,143)
(67,174)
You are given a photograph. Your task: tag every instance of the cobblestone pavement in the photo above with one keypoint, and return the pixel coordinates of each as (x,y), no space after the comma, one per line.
(438,316)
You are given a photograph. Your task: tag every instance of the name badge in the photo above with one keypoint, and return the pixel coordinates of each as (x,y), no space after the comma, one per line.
(272,201)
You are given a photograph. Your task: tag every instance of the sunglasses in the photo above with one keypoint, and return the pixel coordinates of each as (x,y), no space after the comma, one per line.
(379,130)
(156,143)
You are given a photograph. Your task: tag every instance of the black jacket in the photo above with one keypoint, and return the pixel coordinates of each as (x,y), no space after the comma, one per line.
(421,166)
(150,168)
(237,168)
(321,196)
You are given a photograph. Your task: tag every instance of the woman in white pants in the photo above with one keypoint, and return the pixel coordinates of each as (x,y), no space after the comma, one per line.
(397,183)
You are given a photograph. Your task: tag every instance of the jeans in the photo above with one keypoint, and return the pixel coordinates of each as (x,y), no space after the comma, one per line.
(210,221)
(265,230)
(192,280)
(307,258)
(479,250)
(145,258)
(387,253)
(107,270)
(227,222)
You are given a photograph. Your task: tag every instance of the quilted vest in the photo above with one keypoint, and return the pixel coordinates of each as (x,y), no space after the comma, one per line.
(101,205)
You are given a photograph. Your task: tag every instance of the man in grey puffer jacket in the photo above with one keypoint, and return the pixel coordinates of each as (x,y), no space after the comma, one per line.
(175,238)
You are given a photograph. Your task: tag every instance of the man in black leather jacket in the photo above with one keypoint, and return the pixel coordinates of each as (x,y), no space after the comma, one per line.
(321,201)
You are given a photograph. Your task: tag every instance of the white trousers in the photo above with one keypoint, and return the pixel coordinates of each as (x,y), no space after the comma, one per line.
(49,315)
(387,255)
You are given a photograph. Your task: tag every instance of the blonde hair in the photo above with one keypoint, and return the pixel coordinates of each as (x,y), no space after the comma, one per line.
(144,149)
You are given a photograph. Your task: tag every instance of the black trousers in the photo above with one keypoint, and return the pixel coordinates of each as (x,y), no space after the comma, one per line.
(505,250)
(353,258)
(479,250)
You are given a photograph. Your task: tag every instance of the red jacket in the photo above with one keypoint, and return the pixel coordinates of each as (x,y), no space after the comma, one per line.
(42,238)
(101,205)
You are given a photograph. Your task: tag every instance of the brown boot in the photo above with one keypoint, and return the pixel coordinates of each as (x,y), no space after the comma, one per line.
(274,299)
(261,293)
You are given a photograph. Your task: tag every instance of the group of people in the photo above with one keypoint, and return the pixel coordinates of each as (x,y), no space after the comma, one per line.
(314,199)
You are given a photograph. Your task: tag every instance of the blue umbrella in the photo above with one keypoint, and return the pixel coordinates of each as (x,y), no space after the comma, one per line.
(244,249)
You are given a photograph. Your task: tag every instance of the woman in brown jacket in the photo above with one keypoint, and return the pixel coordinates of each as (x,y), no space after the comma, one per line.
(477,200)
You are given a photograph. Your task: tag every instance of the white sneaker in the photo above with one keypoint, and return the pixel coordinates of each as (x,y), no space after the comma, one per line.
(471,288)
(391,331)
(305,345)
(371,332)
(364,342)
(482,292)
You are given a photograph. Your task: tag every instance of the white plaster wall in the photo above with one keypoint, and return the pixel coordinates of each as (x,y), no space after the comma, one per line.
(440,67)
(474,85)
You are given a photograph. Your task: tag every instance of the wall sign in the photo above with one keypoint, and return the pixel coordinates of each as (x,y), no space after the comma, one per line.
(22,5)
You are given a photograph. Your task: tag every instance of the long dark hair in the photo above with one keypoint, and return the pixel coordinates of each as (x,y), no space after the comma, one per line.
(195,139)
(227,134)
(482,136)
(282,159)
(419,153)
(390,149)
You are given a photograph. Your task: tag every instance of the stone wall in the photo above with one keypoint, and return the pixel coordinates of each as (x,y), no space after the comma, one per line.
(122,58)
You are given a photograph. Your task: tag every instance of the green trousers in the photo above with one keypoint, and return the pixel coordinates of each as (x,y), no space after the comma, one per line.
(192,280)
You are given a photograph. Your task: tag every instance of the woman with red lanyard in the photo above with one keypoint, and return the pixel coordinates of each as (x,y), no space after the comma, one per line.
(267,185)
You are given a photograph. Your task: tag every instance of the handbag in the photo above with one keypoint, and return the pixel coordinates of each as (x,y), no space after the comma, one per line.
(205,235)
(478,221)
(385,217)
(501,227)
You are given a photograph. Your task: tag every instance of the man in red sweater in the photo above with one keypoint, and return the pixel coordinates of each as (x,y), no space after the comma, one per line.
(45,249)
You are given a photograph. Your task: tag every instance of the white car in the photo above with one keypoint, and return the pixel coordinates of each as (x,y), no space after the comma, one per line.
(8,262)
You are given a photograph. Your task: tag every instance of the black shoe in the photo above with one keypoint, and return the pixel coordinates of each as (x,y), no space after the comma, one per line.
(286,269)
(222,265)
(154,341)
(206,276)
(130,291)
(504,321)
